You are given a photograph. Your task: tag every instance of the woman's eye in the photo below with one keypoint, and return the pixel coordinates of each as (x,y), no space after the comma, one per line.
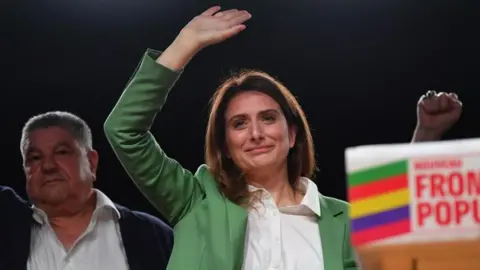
(238,124)
(269,118)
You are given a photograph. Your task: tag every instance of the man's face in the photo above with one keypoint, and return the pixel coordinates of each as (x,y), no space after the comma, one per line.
(56,168)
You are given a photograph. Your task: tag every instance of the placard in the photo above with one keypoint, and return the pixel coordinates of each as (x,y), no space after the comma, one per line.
(406,193)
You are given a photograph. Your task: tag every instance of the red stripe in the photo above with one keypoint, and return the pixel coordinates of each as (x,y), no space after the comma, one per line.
(381,232)
(379,187)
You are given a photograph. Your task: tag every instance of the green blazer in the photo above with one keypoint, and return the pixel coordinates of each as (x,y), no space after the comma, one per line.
(209,230)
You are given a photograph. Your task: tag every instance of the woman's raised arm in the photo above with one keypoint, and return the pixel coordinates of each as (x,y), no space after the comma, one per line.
(166,184)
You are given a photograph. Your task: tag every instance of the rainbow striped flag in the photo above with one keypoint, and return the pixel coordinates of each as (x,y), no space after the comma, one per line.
(379,199)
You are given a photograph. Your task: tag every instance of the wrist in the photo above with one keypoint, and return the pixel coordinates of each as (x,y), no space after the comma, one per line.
(177,55)
(185,46)
(426,135)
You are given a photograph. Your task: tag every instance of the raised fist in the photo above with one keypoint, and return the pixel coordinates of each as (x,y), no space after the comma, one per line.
(438,112)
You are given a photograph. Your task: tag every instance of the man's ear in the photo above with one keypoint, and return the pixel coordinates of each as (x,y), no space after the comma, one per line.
(93,161)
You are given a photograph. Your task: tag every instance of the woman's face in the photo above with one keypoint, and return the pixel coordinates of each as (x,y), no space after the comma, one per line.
(257,134)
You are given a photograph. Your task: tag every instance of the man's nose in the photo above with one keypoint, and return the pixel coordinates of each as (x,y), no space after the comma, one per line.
(48,164)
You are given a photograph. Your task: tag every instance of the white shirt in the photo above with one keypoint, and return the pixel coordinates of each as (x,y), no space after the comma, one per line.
(100,247)
(285,238)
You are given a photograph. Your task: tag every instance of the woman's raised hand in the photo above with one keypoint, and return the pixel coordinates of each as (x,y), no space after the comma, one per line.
(213,26)
(210,27)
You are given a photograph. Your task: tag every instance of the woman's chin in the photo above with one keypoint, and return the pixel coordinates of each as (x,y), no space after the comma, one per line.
(264,162)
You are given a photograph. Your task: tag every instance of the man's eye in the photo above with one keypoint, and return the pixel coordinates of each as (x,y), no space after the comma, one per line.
(33,158)
(62,152)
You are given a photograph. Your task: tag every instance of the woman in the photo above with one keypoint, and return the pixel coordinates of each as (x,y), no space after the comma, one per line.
(251,206)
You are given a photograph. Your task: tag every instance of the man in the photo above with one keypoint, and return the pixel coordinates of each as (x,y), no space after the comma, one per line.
(71,225)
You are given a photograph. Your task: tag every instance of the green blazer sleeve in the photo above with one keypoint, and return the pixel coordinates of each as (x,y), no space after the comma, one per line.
(173,190)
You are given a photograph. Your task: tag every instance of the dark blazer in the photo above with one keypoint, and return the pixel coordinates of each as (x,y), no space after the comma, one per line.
(147,240)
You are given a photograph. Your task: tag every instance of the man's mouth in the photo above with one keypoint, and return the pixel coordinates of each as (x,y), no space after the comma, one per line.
(52,181)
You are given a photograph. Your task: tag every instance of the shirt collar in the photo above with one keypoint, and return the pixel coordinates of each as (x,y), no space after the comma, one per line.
(311,199)
(103,203)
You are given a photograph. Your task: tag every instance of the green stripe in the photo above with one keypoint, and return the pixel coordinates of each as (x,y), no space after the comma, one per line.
(377,173)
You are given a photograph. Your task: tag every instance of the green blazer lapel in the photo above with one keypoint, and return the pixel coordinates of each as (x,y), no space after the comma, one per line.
(237,221)
(332,230)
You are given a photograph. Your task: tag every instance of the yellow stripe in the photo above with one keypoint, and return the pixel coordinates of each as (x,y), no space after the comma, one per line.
(380,203)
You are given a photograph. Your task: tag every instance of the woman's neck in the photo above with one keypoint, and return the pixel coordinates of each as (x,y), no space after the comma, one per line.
(277,184)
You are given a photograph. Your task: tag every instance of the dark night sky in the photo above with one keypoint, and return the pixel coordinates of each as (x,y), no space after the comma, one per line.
(357,67)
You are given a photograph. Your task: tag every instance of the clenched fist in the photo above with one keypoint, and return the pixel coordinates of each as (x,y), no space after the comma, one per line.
(437,113)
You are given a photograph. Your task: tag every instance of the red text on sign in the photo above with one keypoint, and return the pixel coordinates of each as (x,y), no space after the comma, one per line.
(448,213)
(454,183)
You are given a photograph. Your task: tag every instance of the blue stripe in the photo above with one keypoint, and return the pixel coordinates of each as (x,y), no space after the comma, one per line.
(382,218)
